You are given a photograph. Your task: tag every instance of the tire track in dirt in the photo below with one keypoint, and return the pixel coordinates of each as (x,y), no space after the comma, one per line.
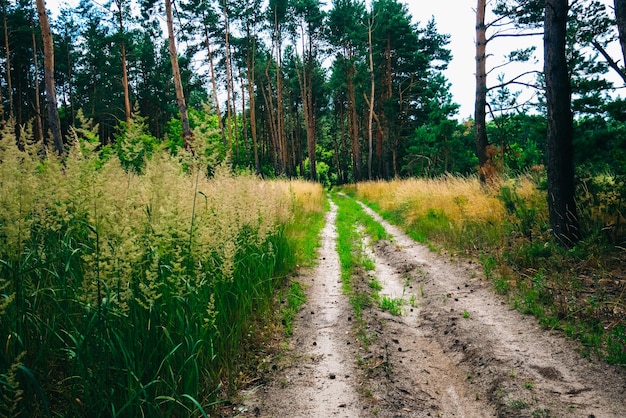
(458,350)
(321,378)
(506,358)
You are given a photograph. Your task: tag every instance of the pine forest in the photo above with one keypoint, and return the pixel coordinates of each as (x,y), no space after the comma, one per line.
(166,167)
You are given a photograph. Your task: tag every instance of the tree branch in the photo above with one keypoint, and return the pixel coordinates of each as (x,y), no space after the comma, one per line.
(513,35)
(514,81)
(612,63)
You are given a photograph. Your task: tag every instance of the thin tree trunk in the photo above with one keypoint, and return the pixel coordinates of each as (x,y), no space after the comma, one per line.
(354,131)
(371,101)
(127,109)
(480,104)
(214,85)
(229,79)
(281,134)
(48,60)
(244,121)
(178,85)
(252,103)
(8,57)
(305,80)
(272,123)
(559,147)
(37,94)
(620,18)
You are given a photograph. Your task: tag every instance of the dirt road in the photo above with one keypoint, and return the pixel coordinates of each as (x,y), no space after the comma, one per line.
(457,350)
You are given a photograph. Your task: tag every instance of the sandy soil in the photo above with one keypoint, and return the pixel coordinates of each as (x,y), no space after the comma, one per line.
(457,350)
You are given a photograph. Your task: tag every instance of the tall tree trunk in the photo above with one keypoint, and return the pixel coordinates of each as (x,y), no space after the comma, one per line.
(244,120)
(272,122)
(8,57)
(480,104)
(178,85)
(39,119)
(281,134)
(559,147)
(48,63)
(305,80)
(229,79)
(127,109)
(207,40)
(371,101)
(620,18)
(250,60)
(353,123)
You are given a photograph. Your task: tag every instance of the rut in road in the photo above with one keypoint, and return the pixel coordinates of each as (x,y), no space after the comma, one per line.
(457,350)
(322,378)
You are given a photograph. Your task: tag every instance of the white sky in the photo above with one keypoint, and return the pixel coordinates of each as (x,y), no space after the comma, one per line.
(457,19)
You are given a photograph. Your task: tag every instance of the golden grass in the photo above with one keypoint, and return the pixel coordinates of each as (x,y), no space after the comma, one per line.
(460,199)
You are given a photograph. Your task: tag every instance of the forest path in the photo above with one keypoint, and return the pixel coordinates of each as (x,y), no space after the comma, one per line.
(457,350)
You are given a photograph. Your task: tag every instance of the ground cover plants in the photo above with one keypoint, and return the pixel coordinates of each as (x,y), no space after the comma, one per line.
(504,225)
(126,294)
(352,224)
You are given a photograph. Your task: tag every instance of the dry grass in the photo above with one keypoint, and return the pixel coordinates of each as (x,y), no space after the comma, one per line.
(460,199)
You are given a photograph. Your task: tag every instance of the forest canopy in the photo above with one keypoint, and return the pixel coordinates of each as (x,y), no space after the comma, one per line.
(337,92)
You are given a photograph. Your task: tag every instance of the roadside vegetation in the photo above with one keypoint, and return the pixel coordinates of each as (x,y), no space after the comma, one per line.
(504,225)
(352,225)
(139,286)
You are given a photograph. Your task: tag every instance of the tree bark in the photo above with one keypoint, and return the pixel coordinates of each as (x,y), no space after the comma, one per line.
(207,40)
(371,101)
(305,79)
(250,69)
(559,147)
(620,18)
(8,58)
(352,119)
(229,79)
(178,85)
(51,97)
(39,118)
(127,109)
(480,103)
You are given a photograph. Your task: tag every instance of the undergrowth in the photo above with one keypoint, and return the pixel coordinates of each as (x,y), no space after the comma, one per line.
(136,292)
(505,226)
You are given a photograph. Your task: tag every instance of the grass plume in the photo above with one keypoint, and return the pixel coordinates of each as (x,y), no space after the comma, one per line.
(133,294)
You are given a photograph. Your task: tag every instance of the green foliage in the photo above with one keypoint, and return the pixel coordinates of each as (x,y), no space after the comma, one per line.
(128,294)
(294,301)
(437,149)
(392,305)
(522,215)
(134,145)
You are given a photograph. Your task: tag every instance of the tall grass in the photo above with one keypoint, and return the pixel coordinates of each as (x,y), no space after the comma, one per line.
(134,295)
(505,225)
(447,211)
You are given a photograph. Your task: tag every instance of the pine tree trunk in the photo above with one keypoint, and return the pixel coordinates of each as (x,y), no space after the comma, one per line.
(39,118)
(352,117)
(127,109)
(214,85)
(7,51)
(559,147)
(178,85)
(229,81)
(51,97)
(620,18)
(252,103)
(480,104)
(371,101)
(305,80)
